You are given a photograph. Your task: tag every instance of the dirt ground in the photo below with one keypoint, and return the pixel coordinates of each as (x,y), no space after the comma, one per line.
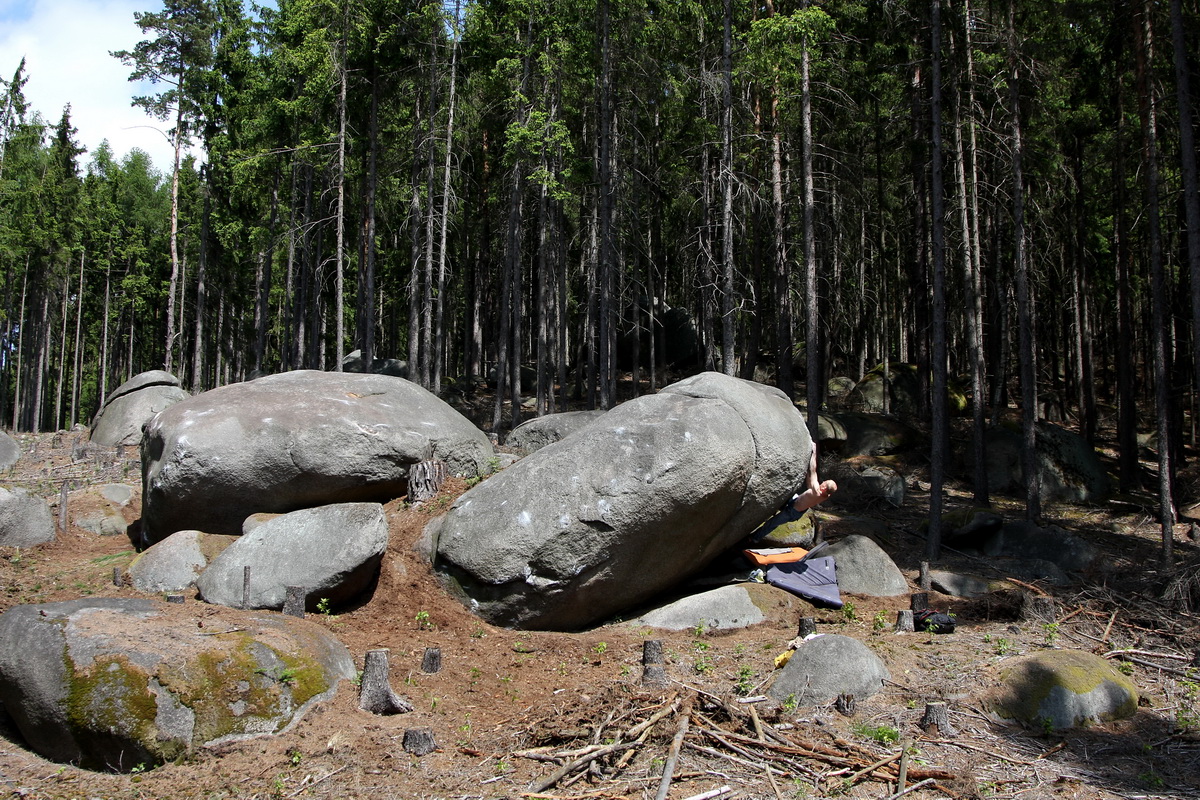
(510,710)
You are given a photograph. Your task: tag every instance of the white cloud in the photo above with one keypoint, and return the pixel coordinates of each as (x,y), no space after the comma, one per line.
(66,45)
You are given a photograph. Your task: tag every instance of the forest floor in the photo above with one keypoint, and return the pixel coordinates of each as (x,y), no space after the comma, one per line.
(510,708)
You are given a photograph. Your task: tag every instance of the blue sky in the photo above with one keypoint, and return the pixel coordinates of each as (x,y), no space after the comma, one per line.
(66,44)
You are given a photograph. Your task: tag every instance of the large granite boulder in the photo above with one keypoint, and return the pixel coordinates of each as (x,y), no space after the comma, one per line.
(628,506)
(873,435)
(131,404)
(295,440)
(332,551)
(1069,468)
(114,684)
(25,519)
(1060,689)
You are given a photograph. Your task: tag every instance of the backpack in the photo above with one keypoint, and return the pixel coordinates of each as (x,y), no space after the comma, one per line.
(930,621)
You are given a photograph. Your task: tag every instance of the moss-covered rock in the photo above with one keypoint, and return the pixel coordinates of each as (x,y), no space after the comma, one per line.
(116,684)
(1063,689)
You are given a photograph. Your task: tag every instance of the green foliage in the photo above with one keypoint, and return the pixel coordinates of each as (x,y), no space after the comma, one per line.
(883,734)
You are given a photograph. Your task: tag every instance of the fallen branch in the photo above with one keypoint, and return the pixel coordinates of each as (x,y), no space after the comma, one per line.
(913,788)
(582,761)
(685,717)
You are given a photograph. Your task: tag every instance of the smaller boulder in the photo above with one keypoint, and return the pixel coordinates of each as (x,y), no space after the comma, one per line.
(1069,469)
(10,451)
(332,551)
(874,435)
(864,568)
(1060,689)
(173,564)
(723,608)
(538,432)
(25,519)
(826,666)
(132,404)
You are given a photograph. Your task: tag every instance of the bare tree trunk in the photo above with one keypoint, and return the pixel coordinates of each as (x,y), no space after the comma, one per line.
(1027,355)
(168,362)
(17,376)
(728,321)
(77,360)
(1191,187)
(56,422)
(104,354)
(812,336)
(440,311)
(339,257)
(941,432)
(607,315)
(1148,105)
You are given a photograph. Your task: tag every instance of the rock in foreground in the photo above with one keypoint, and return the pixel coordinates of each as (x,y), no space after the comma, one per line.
(114,684)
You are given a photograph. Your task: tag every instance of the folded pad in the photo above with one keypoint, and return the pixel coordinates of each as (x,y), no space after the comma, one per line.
(762,556)
(812,578)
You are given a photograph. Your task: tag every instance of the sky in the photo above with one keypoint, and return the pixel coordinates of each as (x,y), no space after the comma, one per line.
(66,46)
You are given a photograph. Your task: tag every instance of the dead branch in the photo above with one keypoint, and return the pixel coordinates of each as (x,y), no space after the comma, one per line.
(685,717)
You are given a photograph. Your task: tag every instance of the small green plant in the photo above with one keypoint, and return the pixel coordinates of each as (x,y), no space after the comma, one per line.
(790,703)
(501,767)
(1003,646)
(141,767)
(600,648)
(704,665)
(739,650)
(879,622)
(478,632)
(700,647)
(1052,632)
(1047,726)
(324,606)
(423,621)
(849,613)
(745,681)
(699,630)
(801,789)
(493,464)
(1125,668)
(295,756)
(884,734)
(279,785)
(1152,779)
(1187,715)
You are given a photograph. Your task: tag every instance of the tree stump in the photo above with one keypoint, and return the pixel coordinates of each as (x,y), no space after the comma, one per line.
(653,671)
(924,581)
(845,705)
(432,661)
(116,576)
(246,587)
(62,508)
(425,478)
(937,720)
(904,621)
(1038,608)
(293,601)
(808,626)
(175,598)
(419,741)
(375,693)
(919,601)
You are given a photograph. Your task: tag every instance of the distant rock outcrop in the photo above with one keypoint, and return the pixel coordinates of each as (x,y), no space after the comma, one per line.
(10,451)
(114,684)
(131,404)
(629,506)
(295,440)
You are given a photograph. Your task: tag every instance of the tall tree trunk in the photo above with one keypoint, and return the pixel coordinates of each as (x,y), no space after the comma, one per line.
(444,223)
(1026,355)
(77,360)
(339,257)
(1147,103)
(968,209)
(728,322)
(812,331)
(168,359)
(940,433)
(1191,189)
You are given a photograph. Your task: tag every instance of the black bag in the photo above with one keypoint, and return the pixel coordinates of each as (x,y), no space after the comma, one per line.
(930,621)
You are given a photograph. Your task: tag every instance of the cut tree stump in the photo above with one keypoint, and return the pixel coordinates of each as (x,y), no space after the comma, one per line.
(808,626)
(937,720)
(293,601)
(376,693)
(653,671)
(419,741)
(919,601)
(924,581)
(432,661)
(845,705)
(904,621)
(425,478)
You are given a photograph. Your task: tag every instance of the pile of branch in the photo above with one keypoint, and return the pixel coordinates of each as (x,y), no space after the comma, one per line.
(719,729)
